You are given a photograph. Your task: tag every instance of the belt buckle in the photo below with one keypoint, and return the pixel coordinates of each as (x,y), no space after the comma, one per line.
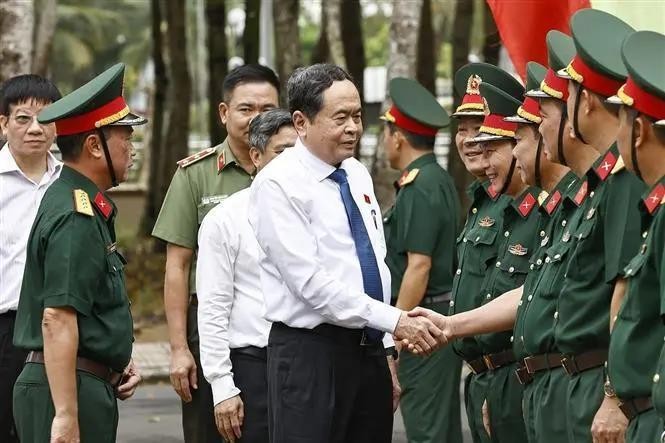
(529,369)
(523,375)
(569,366)
(488,362)
(364,341)
(471,368)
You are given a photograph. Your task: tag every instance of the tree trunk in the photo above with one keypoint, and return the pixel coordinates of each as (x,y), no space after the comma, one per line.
(287,40)
(460,42)
(48,17)
(404,26)
(426,64)
(321,51)
(334,31)
(492,40)
(16,34)
(154,158)
(218,60)
(250,36)
(354,48)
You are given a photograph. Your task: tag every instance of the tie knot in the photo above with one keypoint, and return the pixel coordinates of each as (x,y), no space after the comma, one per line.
(338,176)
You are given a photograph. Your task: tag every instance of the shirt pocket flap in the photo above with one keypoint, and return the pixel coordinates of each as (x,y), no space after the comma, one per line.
(635,265)
(557,253)
(481,236)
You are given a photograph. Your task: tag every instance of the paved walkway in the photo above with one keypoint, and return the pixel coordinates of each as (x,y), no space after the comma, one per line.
(152,359)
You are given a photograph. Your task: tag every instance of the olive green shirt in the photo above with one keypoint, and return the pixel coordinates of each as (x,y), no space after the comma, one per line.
(607,236)
(515,245)
(637,336)
(196,189)
(533,332)
(424,220)
(476,253)
(72,261)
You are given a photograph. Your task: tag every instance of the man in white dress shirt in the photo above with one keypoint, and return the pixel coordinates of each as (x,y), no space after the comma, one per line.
(233,333)
(27,169)
(325,284)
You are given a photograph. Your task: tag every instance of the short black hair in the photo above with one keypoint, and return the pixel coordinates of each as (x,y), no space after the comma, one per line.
(306,86)
(420,142)
(24,88)
(267,124)
(71,146)
(250,73)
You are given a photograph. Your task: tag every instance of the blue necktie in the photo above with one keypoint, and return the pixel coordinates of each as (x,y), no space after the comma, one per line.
(366,257)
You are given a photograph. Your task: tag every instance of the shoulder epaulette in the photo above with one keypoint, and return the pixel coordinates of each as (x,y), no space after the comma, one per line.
(408,177)
(82,203)
(187,161)
(542,197)
(618,166)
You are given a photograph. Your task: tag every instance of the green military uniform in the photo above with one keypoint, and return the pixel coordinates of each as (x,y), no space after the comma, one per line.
(515,243)
(424,220)
(544,380)
(477,243)
(607,233)
(637,334)
(72,262)
(201,181)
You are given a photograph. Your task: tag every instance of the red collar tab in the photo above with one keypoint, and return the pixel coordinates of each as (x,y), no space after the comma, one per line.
(655,198)
(632,95)
(593,80)
(527,204)
(581,193)
(605,167)
(104,115)
(554,86)
(402,121)
(496,125)
(491,192)
(530,110)
(221,161)
(103,205)
(553,202)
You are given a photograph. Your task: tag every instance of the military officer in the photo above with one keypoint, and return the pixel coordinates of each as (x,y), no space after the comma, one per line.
(73,314)
(638,329)
(502,405)
(200,182)
(476,244)
(420,230)
(607,232)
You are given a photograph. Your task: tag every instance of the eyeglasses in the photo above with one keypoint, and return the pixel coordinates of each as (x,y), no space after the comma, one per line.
(24,119)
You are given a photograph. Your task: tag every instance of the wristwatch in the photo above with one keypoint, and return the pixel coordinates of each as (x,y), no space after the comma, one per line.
(392,352)
(609,390)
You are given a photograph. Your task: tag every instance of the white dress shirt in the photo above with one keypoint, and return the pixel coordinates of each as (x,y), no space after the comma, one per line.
(310,271)
(19,200)
(229,292)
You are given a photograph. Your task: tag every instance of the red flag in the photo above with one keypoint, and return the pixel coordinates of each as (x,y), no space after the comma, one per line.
(523,25)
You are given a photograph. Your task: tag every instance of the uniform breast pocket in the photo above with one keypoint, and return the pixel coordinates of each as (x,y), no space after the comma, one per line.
(587,224)
(633,307)
(555,260)
(482,252)
(513,270)
(115,280)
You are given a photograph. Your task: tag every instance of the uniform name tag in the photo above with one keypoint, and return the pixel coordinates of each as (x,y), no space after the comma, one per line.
(213,199)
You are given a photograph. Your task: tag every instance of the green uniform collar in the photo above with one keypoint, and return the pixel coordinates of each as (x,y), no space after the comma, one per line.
(560,191)
(653,198)
(526,201)
(604,165)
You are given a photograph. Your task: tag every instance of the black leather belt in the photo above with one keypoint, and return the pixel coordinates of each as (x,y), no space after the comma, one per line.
(477,366)
(499,359)
(97,369)
(635,406)
(574,364)
(523,375)
(542,362)
(338,334)
(252,351)
(431,299)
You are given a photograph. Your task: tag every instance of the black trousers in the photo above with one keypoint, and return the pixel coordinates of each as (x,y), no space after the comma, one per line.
(323,387)
(11,364)
(251,377)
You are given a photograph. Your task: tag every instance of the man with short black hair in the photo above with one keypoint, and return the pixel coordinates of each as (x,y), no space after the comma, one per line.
(202,181)
(233,333)
(27,169)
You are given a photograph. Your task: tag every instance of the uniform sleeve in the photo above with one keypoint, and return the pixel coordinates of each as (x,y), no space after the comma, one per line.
(418,221)
(659,239)
(177,222)
(621,224)
(75,263)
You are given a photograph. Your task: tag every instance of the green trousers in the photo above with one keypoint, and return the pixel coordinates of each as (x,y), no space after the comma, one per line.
(645,427)
(584,396)
(475,393)
(34,410)
(544,399)
(430,402)
(504,402)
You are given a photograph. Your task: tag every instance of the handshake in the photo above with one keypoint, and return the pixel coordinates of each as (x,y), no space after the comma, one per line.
(422,331)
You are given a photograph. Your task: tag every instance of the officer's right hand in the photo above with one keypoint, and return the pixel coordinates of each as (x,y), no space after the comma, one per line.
(229,415)
(609,425)
(419,333)
(65,429)
(183,373)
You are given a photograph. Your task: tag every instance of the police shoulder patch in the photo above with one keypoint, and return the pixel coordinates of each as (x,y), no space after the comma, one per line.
(82,203)
(187,161)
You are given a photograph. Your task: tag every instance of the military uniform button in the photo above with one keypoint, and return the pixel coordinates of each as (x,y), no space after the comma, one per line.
(488,296)
(563,223)
(521,337)
(547,259)
(520,303)
(591,194)
(474,210)
(511,269)
(458,272)
(498,264)
(539,262)
(644,234)
(530,297)
(542,233)
(506,234)
(558,256)
(464,240)
(629,272)
(452,303)
(477,238)
(531,267)
(512,338)
(556,315)
(656,378)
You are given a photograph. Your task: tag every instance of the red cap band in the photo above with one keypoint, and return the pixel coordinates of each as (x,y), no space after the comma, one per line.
(530,110)
(591,79)
(104,115)
(632,95)
(554,85)
(496,125)
(411,125)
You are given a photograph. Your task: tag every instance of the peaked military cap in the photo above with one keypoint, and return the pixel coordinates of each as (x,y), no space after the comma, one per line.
(414,108)
(643,54)
(96,104)
(560,52)
(500,105)
(598,37)
(467,81)
(529,111)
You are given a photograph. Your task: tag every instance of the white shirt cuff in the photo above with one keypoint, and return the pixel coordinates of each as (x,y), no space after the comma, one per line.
(223,388)
(383,316)
(388,341)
